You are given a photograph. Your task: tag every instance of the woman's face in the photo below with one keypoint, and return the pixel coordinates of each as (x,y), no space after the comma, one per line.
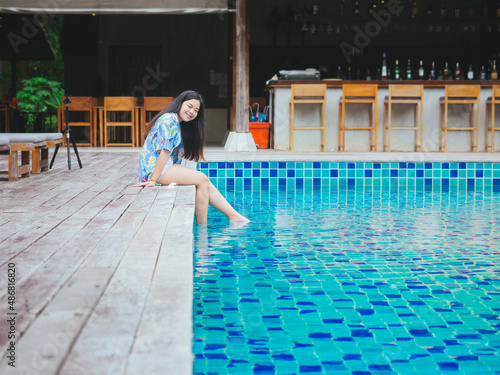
(189,110)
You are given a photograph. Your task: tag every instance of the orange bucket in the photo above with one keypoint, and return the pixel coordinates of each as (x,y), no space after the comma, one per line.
(260,133)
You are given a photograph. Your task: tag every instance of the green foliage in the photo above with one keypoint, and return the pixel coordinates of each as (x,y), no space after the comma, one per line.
(40,95)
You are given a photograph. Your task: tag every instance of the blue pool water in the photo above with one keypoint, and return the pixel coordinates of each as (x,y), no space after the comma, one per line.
(349,282)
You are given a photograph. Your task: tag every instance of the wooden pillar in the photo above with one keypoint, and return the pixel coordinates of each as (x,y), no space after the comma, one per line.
(241,113)
(240,138)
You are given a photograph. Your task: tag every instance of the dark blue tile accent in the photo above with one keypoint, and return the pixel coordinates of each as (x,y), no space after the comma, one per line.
(230,181)
(428,165)
(351,182)
(290,173)
(361,373)
(479,173)
(470,182)
(247,181)
(212,173)
(215,356)
(351,166)
(368,173)
(247,165)
(230,165)
(203,165)
(448,366)
(284,357)
(221,165)
(263,369)
(462,165)
(299,182)
(256,173)
(445,166)
(334,173)
(411,166)
(352,357)
(428,181)
(420,333)
(264,182)
(320,335)
(282,165)
(282,181)
(317,181)
(265,165)
(454,173)
(394,173)
(273,173)
(420,173)
(377,166)
(402,165)
(380,367)
(317,165)
(445,181)
(496,181)
(238,172)
(306,369)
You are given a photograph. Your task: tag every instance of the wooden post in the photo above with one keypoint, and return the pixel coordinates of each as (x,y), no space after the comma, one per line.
(239,138)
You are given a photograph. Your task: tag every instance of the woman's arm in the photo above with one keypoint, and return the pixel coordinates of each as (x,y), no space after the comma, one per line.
(160,163)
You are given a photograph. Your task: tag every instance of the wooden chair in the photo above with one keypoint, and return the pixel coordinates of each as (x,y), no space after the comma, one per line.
(152,105)
(458,94)
(80,113)
(119,113)
(404,94)
(491,102)
(359,93)
(308,94)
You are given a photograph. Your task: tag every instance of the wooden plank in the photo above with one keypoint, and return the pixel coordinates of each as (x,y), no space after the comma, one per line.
(167,348)
(107,338)
(44,346)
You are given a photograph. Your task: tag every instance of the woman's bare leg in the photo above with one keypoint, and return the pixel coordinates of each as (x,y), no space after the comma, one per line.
(206,193)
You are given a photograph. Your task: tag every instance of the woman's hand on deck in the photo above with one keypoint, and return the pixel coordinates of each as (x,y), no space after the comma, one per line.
(145,184)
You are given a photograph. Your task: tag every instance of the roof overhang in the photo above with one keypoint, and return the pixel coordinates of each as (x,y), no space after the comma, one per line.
(115,6)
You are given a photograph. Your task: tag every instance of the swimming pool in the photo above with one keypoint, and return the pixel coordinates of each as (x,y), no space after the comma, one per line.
(354,281)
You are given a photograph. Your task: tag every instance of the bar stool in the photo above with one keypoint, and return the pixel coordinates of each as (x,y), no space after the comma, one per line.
(308,94)
(404,94)
(491,102)
(458,94)
(359,93)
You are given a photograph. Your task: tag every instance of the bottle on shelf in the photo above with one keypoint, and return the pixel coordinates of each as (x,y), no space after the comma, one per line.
(440,75)
(349,73)
(442,10)
(389,73)
(356,8)
(368,75)
(456,11)
(482,75)
(384,66)
(446,71)
(396,71)
(378,76)
(339,72)
(358,75)
(421,70)
(432,74)
(458,74)
(414,10)
(315,8)
(408,70)
(494,73)
(470,73)
(429,10)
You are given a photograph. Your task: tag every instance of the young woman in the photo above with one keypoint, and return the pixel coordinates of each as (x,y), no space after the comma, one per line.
(174,137)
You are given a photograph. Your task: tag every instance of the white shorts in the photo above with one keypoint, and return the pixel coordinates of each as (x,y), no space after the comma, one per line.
(187,163)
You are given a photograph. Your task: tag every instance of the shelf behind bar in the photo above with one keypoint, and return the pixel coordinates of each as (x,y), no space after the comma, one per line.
(426,83)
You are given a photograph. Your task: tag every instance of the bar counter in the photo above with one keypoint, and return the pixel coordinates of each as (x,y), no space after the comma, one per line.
(357,115)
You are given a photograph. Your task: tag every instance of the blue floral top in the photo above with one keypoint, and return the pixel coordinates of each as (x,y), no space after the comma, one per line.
(165,134)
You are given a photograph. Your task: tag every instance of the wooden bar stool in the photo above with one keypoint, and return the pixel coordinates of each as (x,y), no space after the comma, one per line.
(458,94)
(359,93)
(404,94)
(308,94)
(491,102)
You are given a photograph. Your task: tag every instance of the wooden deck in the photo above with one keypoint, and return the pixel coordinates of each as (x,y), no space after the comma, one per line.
(103,271)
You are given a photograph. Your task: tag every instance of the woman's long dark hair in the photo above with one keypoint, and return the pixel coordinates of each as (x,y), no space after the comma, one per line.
(192,132)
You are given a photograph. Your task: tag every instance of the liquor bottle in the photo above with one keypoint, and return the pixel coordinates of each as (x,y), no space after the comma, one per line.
(408,70)
(339,72)
(470,73)
(456,11)
(378,77)
(458,74)
(356,8)
(384,67)
(446,72)
(396,71)
(442,11)
(343,8)
(440,75)
(429,11)
(414,10)
(432,74)
(358,75)
(482,75)
(315,8)
(349,73)
(421,70)
(494,73)
(389,73)
(368,75)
